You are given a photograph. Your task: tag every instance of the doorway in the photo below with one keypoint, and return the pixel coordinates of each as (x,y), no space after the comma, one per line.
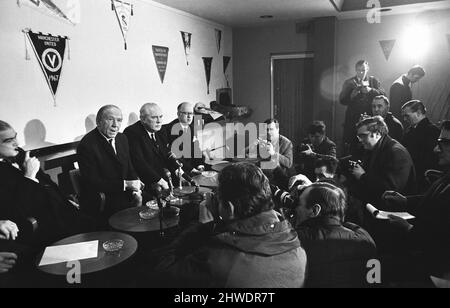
(292,93)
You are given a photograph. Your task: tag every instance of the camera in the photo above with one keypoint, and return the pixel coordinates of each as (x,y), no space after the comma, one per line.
(353,164)
(282,198)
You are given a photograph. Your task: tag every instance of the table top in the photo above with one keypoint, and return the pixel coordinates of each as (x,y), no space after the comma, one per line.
(104,259)
(128,220)
(207,179)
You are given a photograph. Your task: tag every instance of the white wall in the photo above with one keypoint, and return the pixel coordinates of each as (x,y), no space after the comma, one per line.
(100,70)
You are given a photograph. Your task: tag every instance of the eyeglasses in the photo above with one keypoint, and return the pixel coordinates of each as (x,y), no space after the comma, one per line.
(363,135)
(443,141)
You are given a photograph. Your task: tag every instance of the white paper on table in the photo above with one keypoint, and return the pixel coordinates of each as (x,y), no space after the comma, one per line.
(71,252)
(216,115)
(385,215)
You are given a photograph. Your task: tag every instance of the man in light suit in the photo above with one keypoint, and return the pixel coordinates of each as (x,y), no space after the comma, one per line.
(106,168)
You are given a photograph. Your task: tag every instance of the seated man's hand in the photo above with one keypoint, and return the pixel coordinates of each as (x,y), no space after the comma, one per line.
(301,178)
(163,184)
(31,166)
(358,171)
(134,185)
(394,198)
(270,149)
(8,230)
(400,223)
(7,261)
(309,151)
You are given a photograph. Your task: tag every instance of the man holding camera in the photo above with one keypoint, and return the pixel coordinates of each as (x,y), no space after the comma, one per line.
(388,165)
(357,94)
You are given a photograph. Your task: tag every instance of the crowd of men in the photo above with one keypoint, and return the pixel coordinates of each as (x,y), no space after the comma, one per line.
(297,218)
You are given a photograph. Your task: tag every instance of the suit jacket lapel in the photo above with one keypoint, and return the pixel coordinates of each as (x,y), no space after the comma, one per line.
(107,147)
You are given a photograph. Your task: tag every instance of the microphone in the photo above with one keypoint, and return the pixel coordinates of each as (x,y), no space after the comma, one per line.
(172,156)
(168,176)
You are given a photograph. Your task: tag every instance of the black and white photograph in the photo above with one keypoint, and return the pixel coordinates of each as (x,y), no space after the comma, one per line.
(224,151)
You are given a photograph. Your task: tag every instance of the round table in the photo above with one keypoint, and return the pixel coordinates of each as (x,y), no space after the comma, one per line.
(104,260)
(207,179)
(128,220)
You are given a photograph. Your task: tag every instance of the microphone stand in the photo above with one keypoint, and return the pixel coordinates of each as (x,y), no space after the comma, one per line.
(158,191)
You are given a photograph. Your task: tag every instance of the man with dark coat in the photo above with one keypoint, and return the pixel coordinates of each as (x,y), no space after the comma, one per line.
(252,247)
(106,168)
(420,140)
(400,92)
(149,148)
(430,232)
(357,94)
(380,107)
(387,165)
(183,140)
(337,251)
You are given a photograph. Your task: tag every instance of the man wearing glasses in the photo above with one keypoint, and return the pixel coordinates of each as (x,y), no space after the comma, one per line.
(386,166)
(182,138)
(430,232)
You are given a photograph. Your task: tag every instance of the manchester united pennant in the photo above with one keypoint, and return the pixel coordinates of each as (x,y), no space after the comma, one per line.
(49,51)
(123,12)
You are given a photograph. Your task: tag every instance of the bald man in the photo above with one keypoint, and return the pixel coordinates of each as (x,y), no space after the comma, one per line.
(105,166)
(148,146)
(182,138)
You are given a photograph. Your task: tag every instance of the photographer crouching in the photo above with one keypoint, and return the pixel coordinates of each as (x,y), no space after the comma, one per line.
(239,242)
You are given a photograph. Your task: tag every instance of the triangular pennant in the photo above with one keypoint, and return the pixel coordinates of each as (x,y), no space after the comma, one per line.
(68,10)
(49,51)
(448,41)
(207,61)
(226,61)
(218,39)
(387,46)
(123,11)
(186,37)
(161,55)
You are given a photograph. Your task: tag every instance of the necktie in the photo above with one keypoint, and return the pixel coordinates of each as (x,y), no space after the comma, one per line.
(153,136)
(111,142)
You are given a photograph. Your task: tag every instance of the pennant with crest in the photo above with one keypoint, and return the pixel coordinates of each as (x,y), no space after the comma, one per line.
(67,10)
(49,51)
(124,11)
(387,46)
(186,37)
(207,61)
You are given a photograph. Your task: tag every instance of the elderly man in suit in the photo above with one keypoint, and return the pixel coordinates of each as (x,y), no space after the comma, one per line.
(149,147)
(106,168)
(182,138)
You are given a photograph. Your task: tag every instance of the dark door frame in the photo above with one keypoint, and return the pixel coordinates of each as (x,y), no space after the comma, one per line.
(273,57)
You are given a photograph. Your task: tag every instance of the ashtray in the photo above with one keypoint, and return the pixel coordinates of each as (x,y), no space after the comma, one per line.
(209,174)
(113,245)
(149,213)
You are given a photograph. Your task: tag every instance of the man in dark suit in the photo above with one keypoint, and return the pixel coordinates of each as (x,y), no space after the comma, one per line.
(357,94)
(30,199)
(388,165)
(420,139)
(430,232)
(106,168)
(380,107)
(183,140)
(149,147)
(400,92)
(317,145)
